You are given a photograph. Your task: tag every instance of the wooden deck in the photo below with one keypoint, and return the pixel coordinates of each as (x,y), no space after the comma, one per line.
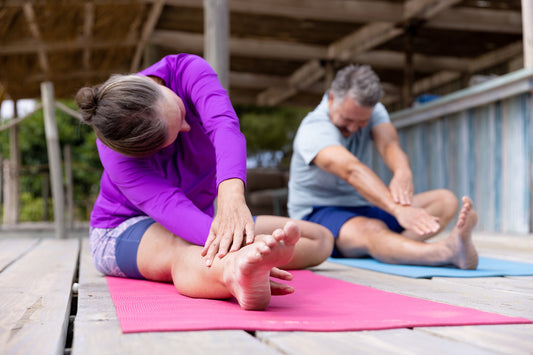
(53,301)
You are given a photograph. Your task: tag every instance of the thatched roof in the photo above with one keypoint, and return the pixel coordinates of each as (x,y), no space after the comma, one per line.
(281,51)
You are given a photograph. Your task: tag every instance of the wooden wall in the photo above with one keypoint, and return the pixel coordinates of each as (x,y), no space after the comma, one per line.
(476,143)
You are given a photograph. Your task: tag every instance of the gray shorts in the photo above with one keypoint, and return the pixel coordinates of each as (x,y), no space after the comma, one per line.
(114,250)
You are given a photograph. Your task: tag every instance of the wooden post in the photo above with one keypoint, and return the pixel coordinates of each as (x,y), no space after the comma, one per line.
(408,73)
(527,32)
(216,38)
(330,75)
(46,196)
(527,36)
(67,155)
(54,157)
(11,175)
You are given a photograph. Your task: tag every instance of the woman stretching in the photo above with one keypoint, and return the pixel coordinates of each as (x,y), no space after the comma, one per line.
(170,144)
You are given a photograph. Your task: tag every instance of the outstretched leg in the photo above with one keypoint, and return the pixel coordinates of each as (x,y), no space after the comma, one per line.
(362,236)
(315,244)
(243,274)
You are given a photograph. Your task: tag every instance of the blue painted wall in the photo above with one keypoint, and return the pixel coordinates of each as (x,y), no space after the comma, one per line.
(484,152)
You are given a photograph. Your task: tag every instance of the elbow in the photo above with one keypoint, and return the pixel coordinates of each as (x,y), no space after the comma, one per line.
(351,172)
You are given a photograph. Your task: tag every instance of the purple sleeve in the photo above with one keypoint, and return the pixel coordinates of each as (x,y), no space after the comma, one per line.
(164,203)
(196,83)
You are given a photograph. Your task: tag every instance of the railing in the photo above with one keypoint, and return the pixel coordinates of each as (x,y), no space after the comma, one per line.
(476,142)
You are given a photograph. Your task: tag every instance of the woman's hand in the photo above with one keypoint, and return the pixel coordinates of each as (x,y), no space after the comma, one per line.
(233,224)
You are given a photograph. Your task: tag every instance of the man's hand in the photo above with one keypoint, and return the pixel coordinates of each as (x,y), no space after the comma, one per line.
(401,188)
(233,224)
(417,220)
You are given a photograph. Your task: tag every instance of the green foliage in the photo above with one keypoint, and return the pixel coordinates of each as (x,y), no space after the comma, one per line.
(269,130)
(32,208)
(86,167)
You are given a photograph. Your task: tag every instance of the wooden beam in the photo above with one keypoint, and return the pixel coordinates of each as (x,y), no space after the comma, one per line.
(363,11)
(425,9)
(495,57)
(192,43)
(422,63)
(478,20)
(300,79)
(17,120)
(475,65)
(88,24)
(68,110)
(149,25)
(34,46)
(363,39)
(29,14)
(366,38)
(331,10)
(255,81)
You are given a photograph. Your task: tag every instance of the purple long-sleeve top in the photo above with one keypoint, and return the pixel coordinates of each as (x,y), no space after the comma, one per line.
(177,185)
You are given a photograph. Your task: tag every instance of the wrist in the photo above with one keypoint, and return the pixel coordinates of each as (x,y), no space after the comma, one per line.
(231,188)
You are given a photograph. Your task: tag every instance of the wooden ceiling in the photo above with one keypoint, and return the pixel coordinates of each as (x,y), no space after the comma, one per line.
(282,52)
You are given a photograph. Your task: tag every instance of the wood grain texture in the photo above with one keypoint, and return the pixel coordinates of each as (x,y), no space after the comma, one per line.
(36,295)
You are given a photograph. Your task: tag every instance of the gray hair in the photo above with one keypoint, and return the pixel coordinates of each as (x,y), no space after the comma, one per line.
(124,114)
(360,83)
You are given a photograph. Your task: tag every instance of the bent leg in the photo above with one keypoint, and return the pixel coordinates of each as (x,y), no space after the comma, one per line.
(315,244)
(361,236)
(440,203)
(243,274)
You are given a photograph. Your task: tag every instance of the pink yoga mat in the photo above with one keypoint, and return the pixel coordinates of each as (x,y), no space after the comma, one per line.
(319,304)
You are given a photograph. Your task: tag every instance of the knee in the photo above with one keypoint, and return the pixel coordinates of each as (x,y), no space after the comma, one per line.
(371,226)
(449,201)
(323,241)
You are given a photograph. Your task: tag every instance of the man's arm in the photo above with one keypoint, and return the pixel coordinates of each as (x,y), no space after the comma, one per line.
(339,161)
(388,145)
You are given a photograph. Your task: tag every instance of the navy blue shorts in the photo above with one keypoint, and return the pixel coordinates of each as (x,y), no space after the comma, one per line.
(127,245)
(334,217)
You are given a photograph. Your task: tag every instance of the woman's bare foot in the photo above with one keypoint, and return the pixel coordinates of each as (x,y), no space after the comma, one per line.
(247,272)
(460,240)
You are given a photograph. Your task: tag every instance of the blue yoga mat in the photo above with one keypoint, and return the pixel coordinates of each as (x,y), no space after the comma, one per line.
(487,267)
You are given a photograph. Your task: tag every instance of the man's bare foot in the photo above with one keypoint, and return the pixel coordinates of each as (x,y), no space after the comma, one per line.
(460,240)
(247,273)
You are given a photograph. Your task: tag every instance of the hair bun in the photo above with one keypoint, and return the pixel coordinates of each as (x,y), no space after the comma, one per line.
(87,100)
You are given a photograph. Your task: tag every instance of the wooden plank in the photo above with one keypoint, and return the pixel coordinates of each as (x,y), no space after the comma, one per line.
(12,249)
(393,341)
(504,339)
(510,304)
(36,296)
(522,285)
(97,330)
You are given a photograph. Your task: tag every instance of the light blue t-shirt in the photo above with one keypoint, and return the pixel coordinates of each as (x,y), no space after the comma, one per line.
(309,185)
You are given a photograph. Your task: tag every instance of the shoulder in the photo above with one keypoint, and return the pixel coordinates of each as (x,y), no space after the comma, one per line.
(380,114)
(173,65)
